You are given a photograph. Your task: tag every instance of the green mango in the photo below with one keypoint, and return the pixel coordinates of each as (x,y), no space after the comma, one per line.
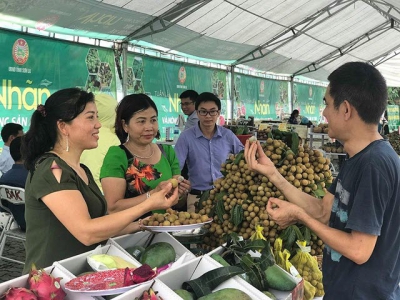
(158,255)
(185,295)
(278,279)
(228,293)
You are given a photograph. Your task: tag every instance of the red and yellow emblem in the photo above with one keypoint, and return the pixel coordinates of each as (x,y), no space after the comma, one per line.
(20,51)
(182,75)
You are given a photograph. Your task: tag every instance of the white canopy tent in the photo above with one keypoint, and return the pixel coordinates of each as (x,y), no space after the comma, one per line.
(291,37)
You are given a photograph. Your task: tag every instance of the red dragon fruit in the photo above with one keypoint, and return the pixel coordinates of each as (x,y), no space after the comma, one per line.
(18,293)
(44,285)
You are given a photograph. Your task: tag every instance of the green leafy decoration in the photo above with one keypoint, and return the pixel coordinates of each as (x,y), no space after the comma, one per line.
(288,236)
(238,157)
(254,272)
(237,215)
(203,197)
(306,233)
(220,209)
(319,192)
(210,280)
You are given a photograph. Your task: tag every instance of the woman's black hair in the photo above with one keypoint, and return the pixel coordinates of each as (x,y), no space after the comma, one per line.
(64,105)
(128,106)
(294,113)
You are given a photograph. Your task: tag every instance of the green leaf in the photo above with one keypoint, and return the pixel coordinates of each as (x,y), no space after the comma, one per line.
(210,280)
(237,215)
(299,235)
(238,157)
(306,233)
(254,272)
(220,195)
(294,142)
(288,236)
(220,210)
(203,197)
(319,192)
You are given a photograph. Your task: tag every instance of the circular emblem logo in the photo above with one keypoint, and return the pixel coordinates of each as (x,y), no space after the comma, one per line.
(20,51)
(262,86)
(182,75)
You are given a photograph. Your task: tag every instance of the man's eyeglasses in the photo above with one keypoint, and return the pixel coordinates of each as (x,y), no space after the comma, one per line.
(186,103)
(212,113)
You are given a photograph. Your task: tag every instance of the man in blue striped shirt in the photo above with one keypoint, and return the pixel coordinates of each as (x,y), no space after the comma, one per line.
(205,147)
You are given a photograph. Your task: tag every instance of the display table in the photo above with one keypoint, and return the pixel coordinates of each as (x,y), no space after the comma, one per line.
(321,136)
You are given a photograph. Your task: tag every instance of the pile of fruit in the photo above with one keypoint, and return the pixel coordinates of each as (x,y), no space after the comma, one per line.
(41,285)
(238,201)
(332,148)
(321,128)
(175,218)
(394,140)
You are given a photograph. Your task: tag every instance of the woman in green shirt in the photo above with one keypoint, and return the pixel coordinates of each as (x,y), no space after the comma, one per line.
(137,168)
(66,214)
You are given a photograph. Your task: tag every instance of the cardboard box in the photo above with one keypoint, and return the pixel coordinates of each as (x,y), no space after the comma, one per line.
(55,271)
(296,294)
(162,290)
(197,267)
(146,238)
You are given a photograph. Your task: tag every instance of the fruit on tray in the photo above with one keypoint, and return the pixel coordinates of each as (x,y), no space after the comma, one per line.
(158,255)
(175,218)
(112,261)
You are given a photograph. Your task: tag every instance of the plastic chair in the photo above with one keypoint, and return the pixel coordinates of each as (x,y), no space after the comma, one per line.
(16,196)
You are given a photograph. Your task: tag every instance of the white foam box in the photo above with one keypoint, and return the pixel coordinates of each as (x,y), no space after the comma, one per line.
(55,271)
(76,265)
(296,294)
(200,265)
(147,238)
(162,290)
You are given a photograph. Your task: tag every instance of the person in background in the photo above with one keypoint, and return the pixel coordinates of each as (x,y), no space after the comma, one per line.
(9,132)
(188,99)
(358,219)
(138,167)
(305,121)
(293,117)
(205,147)
(65,211)
(93,158)
(16,177)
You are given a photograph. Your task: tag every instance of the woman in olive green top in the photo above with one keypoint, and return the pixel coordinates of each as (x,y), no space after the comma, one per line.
(65,212)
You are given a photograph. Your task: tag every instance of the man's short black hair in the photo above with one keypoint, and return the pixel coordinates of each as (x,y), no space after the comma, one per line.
(191,94)
(15,149)
(10,129)
(206,97)
(363,86)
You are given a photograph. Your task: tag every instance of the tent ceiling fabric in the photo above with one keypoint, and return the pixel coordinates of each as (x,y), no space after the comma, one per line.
(291,37)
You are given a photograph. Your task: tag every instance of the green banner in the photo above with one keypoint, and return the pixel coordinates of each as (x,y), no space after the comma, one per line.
(165,80)
(33,67)
(308,99)
(393,113)
(260,97)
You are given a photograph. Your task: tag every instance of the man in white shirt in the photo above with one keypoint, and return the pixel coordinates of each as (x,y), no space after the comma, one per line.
(9,132)
(188,99)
